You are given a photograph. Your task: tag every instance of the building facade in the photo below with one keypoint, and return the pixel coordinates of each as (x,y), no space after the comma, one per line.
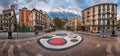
(100,16)
(118,24)
(73,24)
(39,20)
(34,19)
(24,19)
(48,21)
(0,22)
(9,19)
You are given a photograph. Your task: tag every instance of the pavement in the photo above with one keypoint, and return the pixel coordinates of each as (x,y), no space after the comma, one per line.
(98,34)
(90,46)
(19,35)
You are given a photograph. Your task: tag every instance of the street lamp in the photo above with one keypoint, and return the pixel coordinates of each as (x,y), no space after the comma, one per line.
(36,32)
(113,30)
(9,16)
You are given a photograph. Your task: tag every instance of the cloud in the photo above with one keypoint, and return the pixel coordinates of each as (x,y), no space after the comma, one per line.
(59,9)
(118,17)
(86,3)
(62,14)
(1,8)
(6,3)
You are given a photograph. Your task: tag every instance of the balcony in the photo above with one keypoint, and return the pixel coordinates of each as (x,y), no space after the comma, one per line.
(88,15)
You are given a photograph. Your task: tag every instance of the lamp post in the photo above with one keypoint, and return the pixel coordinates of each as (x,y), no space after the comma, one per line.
(113,30)
(36,32)
(36,28)
(9,16)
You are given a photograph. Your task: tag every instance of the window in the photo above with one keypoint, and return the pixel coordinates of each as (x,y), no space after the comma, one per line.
(108,7)
(5,25)
(105,22)
(101,22)
(93,9)
(108,23)
(103,7)
(22,14)
(99,9)
(27,24)
(103,16)
(27,19)
(112,16)
(112,7)
(22,20)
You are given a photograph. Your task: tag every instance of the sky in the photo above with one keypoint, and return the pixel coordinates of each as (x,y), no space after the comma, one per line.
(60,8)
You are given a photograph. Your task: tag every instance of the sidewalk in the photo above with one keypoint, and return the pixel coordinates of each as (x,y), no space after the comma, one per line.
(96,34)
(20,35)
(88,33)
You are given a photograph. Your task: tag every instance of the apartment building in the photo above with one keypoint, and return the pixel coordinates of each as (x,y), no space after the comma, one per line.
(73,24)
(100,16)
(9,19)
(24,17)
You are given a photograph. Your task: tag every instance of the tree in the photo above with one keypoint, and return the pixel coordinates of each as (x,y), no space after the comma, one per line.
(22,28)
(58,23)
(64,20)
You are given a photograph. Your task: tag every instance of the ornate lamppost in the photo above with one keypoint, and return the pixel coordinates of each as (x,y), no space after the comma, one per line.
(9,16)
(113,30)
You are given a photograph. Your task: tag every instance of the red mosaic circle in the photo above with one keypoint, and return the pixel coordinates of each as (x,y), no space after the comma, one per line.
(57,41)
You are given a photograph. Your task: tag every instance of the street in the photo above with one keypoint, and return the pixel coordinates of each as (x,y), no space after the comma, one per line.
(92,45)
(118,33)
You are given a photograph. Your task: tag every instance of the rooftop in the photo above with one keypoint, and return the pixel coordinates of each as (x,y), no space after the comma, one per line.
(99,4)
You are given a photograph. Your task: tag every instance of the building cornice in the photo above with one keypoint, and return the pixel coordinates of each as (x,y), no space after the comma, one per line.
(98,5)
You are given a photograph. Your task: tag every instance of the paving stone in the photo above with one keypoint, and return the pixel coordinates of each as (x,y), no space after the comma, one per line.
(117,48)
(10,50)
(4,45)
(23,54)
(39,54)
(108,50)
(98,45)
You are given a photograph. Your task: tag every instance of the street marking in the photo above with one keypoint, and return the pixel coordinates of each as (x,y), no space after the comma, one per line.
(109,51)
(118,40)
(1,41)
(4,45)
(117,48)
(19,46)
(98,45)
(10,50)
(23,54)
(28,42)
(39,54)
